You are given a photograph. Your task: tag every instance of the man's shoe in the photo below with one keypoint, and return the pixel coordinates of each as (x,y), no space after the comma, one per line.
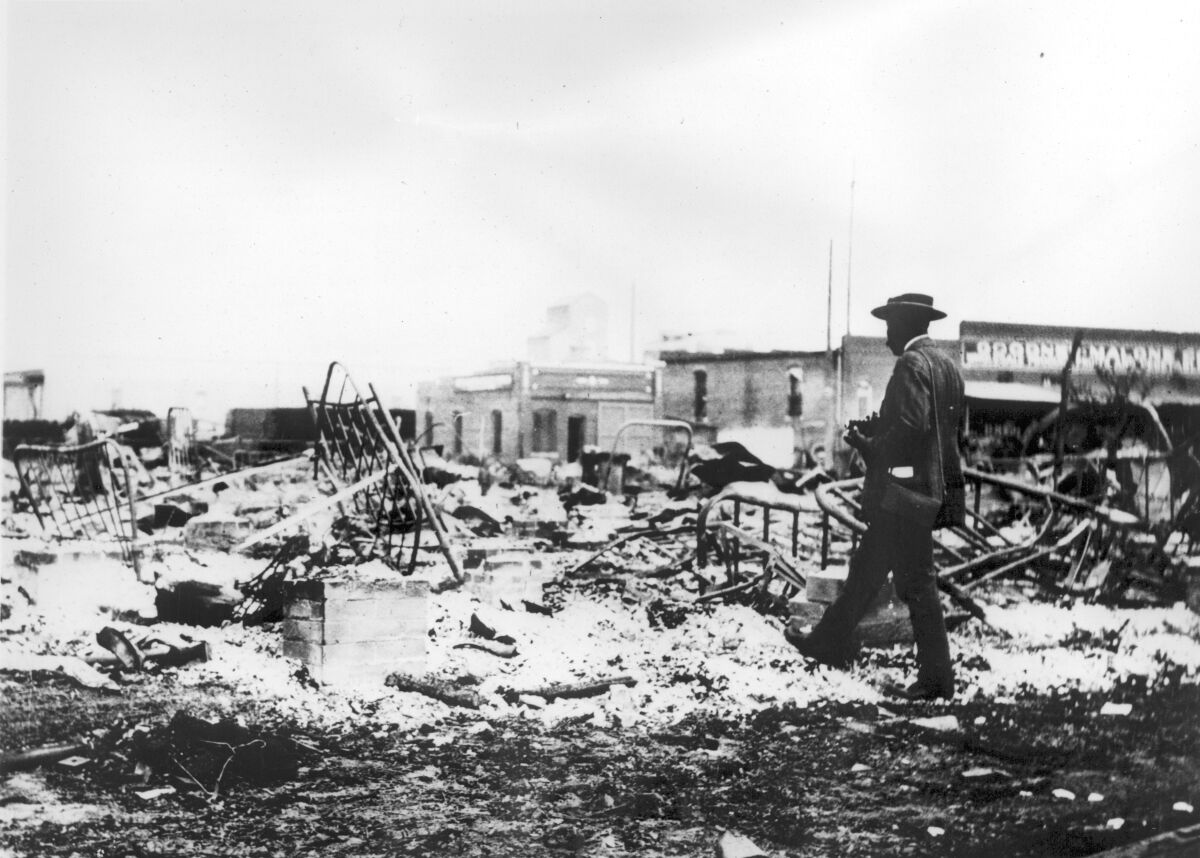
(920,691)
(804,644)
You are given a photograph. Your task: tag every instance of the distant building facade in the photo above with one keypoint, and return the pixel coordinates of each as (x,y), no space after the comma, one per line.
(1011,374)
(23,392)
(1158,367)
(527,409)
(782,399)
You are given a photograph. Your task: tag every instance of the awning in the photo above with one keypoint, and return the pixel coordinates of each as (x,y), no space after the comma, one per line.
(1006,391)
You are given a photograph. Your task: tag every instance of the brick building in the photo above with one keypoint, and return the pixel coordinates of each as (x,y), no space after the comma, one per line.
(1011,374)
(536,410)
(775,402)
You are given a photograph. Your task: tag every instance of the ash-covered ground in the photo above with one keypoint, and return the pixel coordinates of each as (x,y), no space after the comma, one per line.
(1073,729)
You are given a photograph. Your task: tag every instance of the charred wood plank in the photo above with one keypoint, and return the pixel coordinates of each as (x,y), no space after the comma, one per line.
(442,691)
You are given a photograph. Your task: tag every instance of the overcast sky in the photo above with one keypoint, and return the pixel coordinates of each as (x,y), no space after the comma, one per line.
(208,201)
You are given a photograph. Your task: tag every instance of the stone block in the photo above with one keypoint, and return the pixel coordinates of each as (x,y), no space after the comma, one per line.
(885,625)
(510,577)
(304,609)
(348,630)
(380,623)
(357,664)
(215,531)
(481,549)
(349,590)
(825,585)
(803,612)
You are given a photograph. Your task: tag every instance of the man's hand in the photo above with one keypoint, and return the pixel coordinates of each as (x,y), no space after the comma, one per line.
(856,439)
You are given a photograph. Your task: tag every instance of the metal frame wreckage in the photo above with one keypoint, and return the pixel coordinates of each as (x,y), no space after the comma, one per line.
(1092,541)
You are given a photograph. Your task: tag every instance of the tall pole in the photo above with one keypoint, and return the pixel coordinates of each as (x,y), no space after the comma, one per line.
(849,253)
(632,321)
(831,408)
(829,308)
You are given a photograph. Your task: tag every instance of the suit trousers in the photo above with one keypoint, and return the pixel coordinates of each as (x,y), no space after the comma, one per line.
(892,544)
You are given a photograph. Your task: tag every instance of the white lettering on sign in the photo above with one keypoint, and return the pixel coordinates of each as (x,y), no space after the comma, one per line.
(1163,358)
(479,383)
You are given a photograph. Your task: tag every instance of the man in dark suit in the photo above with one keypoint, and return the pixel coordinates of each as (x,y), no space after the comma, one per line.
(913,485)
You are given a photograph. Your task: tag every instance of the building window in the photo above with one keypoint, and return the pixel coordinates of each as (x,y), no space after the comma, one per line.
(545,430)
(458,433)
(427,436)
(497,432)
(700,395)
(795,402)
(866,398)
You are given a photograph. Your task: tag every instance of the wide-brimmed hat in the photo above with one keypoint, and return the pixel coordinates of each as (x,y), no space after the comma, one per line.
(909,304)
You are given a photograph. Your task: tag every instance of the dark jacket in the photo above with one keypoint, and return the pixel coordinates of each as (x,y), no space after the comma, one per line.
(905,437)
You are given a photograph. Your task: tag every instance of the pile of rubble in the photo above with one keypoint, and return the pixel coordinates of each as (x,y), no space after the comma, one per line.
(373,579)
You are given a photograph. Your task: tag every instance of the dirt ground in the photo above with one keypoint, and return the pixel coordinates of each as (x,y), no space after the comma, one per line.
(827,779)
(1074,729)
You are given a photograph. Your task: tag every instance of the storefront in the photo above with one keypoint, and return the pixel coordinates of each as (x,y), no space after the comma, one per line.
(546,411)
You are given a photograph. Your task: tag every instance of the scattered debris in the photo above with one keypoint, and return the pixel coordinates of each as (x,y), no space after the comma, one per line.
(16,762)
(151,794)
(444,692)
(129,656)
(731,844)
(940,723)
(576,690)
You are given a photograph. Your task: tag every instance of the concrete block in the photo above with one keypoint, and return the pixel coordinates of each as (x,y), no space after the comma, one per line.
(884,625)
(347,627)
(803,612)
(78,552)
(528,527)
(825,585)
(359,664)
(356,631)
(304,609)
(481,549)
(215,531)
(510,577)
(513,562)
(329,590)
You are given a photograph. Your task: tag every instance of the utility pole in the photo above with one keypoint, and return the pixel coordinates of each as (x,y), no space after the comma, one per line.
(831,409)
(829,308)
(632,321)
(849,252)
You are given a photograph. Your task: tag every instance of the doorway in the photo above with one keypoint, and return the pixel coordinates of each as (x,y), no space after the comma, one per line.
(576,432)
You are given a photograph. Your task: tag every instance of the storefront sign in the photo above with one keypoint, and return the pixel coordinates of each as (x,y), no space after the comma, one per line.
(1163,358)
(480,383)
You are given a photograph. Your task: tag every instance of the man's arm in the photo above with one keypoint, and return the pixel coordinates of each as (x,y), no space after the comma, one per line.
(908,401)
